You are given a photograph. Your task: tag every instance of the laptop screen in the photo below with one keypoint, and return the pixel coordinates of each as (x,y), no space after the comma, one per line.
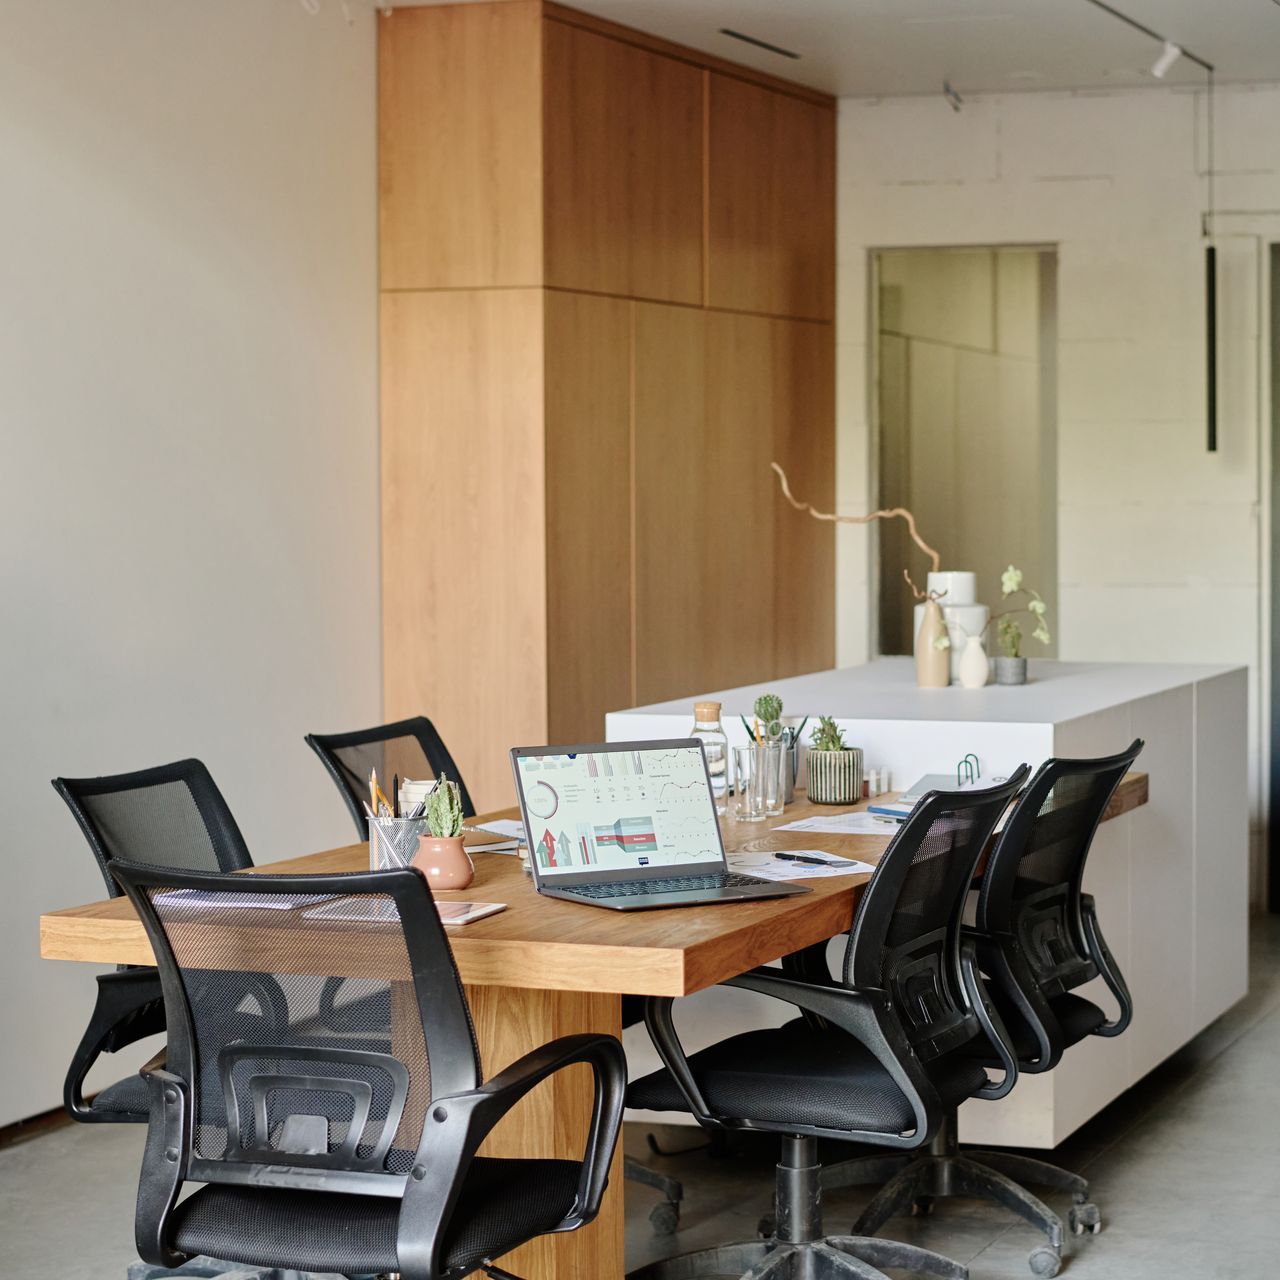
(614,809)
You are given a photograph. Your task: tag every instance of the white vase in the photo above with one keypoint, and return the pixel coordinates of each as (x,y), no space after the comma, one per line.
(974,666)
(962,616)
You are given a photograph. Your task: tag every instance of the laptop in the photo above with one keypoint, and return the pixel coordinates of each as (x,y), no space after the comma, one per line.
(628,825)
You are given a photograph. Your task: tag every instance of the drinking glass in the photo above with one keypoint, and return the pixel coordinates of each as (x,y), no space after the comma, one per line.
(759,781)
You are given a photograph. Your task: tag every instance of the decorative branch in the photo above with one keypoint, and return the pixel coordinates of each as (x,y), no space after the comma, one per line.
(900,512)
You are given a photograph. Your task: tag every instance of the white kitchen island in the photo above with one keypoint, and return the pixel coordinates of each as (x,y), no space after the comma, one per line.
(1170,878)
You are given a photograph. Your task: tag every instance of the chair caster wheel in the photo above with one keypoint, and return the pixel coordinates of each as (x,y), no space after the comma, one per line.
(665,1218)
(1085,1217)
(1044,1261)
(922,1207)
(766,1227)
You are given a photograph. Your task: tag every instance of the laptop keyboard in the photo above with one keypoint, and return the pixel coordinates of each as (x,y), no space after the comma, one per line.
(665,884)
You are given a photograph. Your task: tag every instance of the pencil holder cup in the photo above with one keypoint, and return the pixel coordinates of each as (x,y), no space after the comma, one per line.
(835,777)
(393,842)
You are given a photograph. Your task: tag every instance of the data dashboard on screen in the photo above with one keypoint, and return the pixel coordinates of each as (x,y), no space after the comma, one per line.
(597,810)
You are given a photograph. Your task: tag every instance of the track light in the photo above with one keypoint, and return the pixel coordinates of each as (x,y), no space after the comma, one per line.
(1168,56)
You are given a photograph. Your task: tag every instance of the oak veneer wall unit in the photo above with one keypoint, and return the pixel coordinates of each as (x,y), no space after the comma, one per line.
(607,271)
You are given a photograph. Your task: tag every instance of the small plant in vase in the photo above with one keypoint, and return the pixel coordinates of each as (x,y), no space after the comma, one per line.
(441,858)
(768,727)
(1011,666)
(835,770)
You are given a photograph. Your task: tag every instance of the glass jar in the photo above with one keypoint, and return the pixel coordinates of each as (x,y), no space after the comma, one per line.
(715,743)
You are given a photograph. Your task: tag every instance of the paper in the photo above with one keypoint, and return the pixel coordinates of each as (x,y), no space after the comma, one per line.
(844,824)
(768,866)
(509,827)
(501,846)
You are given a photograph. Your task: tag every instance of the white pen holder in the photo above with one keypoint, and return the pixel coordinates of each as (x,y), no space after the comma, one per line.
(393,842)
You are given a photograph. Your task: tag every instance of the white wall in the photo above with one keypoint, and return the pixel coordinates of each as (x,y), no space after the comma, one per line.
(188,424)
(1160,546)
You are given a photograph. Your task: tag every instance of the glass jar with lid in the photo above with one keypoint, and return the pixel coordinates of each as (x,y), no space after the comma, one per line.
(715,743)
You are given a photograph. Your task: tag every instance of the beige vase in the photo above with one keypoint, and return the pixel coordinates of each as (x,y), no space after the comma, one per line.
(933,665)
(444,862)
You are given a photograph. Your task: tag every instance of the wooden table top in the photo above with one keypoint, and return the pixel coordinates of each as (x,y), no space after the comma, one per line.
(551,944)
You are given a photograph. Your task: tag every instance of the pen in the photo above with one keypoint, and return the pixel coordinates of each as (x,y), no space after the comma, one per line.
(801,857)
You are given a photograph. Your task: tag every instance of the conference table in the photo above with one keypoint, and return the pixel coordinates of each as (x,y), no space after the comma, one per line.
(546,967)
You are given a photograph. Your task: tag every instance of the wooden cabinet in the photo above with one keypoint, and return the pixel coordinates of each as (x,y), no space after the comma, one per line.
(591,242)
(623,168)
(770,201)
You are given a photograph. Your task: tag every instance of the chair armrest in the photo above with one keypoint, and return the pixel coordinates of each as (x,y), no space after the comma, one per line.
(1101,955)
(164,1165)
(865,1014)
(1001,960)
(989,1019)
(456,1125)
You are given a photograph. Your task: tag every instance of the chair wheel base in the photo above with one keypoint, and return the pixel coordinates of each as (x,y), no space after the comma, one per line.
(1044,1261)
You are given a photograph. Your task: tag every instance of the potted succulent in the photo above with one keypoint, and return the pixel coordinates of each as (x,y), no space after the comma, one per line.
(441,857)
(835,770)
(1011,666)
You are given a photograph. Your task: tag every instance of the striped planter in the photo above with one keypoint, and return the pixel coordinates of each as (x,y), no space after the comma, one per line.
(835,777)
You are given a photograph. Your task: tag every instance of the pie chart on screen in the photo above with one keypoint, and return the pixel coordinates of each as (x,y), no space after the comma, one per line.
(542,800)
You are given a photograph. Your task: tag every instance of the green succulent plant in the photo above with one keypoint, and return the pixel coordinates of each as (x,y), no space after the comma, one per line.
(828,736)
(444,810)
(768,709)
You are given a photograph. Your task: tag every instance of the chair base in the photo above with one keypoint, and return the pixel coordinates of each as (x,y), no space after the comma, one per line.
(800,1250)
(915,1181)
(664,1217)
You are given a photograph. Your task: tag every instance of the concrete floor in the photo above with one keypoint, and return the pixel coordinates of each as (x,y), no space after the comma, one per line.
(1185,1166)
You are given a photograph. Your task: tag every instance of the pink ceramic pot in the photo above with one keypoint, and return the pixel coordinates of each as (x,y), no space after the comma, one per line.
(444,862)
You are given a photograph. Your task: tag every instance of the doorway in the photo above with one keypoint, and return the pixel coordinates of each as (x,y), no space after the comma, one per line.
(965,402)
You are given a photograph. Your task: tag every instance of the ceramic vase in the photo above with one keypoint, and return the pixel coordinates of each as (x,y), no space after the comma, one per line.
(443,862)
(835,777)
(933,666)
(963,616)
(974,667)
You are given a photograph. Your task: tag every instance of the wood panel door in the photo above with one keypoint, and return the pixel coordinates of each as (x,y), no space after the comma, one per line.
(803,419)
(463,564)
(675,499)
(588,513)
(623,168)
(770,201)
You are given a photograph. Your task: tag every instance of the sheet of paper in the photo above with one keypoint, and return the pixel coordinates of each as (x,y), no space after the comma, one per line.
(844,824)
(509,827)
(499,846)
(768,866)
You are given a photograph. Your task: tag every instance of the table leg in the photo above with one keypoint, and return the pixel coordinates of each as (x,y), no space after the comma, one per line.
(552,1120)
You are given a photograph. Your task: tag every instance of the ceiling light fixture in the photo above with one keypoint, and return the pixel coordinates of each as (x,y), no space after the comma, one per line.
(760,44)
(1168,56)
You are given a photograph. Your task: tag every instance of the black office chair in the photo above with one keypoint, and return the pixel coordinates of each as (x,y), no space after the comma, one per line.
(350,1151)
(879,1057)
(411,748)
(1037,937)
(172,815)
(664,1217)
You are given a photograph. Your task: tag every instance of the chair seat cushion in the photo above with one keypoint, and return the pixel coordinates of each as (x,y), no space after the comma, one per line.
(126,1100)
(799,1075)
(503,1203)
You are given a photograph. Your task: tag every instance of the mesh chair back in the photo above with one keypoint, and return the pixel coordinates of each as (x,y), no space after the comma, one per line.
(337,1104)
(410,748)
(906,934)
(170,816)
(1031,889)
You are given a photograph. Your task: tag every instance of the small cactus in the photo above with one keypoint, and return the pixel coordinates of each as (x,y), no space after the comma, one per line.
(768,711)
(444,809)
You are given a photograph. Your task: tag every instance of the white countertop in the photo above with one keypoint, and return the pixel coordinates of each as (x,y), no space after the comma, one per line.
(886,690)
